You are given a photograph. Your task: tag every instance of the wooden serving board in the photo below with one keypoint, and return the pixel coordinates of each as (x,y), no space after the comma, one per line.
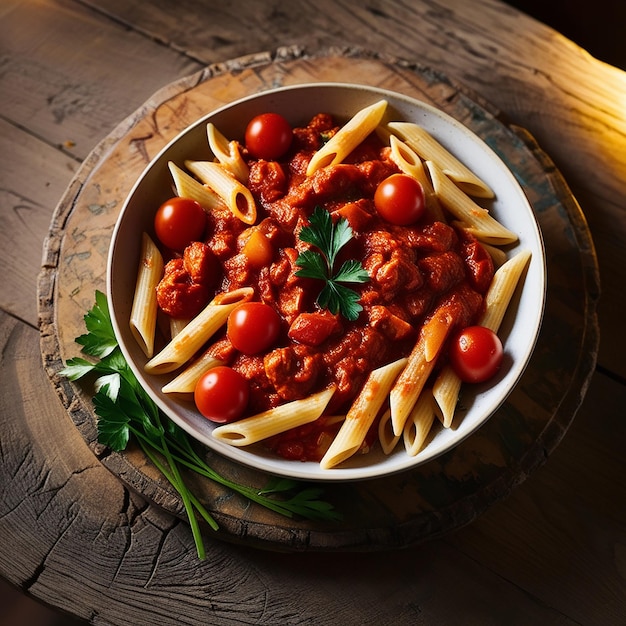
(396,511)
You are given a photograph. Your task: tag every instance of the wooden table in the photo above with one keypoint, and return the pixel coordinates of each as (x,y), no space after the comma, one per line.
(74,536)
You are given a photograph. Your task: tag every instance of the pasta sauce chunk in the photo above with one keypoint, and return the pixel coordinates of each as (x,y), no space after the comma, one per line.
(414,272)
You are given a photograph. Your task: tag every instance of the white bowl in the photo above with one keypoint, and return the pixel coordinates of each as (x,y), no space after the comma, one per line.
(298,104)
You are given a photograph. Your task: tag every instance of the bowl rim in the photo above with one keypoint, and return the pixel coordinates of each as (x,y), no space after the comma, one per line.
(311,471)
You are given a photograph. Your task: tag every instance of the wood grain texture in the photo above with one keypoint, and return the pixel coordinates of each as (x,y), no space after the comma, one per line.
(140,565)
(550,553)
(562,509)
(393,512)
(548,85)
(26,210)
(414,31)
(59,87)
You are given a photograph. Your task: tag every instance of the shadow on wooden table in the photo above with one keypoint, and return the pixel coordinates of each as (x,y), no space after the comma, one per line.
(16,609)
(598,29)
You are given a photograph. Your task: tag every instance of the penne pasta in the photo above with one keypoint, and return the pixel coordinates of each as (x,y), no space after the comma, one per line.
(274,421)
(227,153)
(362,413)
(429,149)
(446,389)
(477,219)
(501,290)
(419,423)
(498,255)
(143,314)
(188,187)
(447,386)
(386,437)
(186,381)
(383,133)
(199,330)
(420,364)
(176,325)
(236,196)
(348,137)
(409,163)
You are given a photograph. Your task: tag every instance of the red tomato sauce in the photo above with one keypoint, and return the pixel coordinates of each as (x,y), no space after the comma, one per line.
(412,269)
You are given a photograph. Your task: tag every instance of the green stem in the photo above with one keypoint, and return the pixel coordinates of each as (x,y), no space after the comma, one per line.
(196,503)
(192,461)
(177,482)
(195,463)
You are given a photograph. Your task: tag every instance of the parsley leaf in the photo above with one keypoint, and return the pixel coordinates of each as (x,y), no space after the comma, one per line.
(113,430)
(336,297)
(312,263)
(329,238)
(77,368)
(126,412)
(100,339)
(351,272)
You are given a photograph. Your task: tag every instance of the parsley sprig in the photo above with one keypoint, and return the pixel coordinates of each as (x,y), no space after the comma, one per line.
(126,411)
(329,238)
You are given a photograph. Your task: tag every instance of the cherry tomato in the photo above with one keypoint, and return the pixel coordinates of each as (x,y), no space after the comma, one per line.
(253,327)
(259,250)
(268,136)
(178,222)
(476,354)
(399,199)
(221,394)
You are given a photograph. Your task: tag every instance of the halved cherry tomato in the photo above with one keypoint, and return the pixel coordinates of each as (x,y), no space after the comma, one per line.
(222,394)
(476,354)
(178,222)
(268,136)
(253,327)
(399,199)
(259,250)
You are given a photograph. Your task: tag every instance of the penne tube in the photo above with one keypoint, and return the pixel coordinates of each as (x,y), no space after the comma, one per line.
(186,381)
(235,195)
(227,153)
(383,133)
(348,137)
(188,187)
(176,325)
(478,220)
(362,413)
(429,149)
(447,386)
(408,161)
(143,314)
(386,437)
(446,389)
(420,364)
(274,421)
(199,330)
(410,164)
(498,255)
(419,423)
(501,289)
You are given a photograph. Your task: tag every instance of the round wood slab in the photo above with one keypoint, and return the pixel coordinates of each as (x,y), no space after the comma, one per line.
(400,510)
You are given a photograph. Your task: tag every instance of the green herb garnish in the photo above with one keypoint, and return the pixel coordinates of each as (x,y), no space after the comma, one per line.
(125,410)
(329,238)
